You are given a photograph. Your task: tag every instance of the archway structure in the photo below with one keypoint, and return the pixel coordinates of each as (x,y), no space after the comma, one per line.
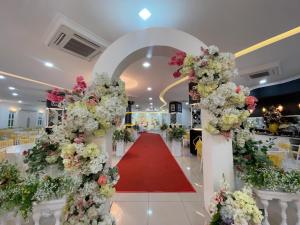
(119,55)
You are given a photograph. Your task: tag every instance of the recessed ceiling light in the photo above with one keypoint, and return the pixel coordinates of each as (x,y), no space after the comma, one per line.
(151,103)
(48,64)
(19,101)
(2,77)
(187,103)
(149,88)
(263,81)
(11,88)
(150,99)
(136,106)
(15,94)
(145,14)
(146,64)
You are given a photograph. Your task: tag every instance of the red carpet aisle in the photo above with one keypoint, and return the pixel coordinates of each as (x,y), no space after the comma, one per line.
(148,166)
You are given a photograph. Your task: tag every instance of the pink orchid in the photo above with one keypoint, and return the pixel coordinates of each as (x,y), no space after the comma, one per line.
(177,59)
(80,85)
(176,74)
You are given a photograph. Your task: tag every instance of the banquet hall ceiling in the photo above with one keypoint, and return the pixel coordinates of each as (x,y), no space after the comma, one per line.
(230,24)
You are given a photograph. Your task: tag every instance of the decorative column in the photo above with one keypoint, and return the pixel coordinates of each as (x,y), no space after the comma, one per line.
(217,160)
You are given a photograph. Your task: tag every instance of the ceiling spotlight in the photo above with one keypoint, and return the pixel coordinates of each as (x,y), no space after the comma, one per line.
(264,109)
(263,81)
(187,103)
(150,99)
(136,106)
(151,103)
(149,88)
(48,64)
(280,108)
(2,77)
(15,94)
(146,64)
(11,88)
(19,101)
(145,14)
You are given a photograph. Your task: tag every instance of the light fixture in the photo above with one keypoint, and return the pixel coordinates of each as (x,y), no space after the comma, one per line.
(151,103)
(251,111)
(11,88)
(145,14)
(49,64)
(15,94)
(188,168)
(146,64)
(149,212)
(2,77)
(187,103)
(150,99)
(136,106)
(263,81)
(19,101)
(280,108)
(149,88)
(299,105)
(263,109)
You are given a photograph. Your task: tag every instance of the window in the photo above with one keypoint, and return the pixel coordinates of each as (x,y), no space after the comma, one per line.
(11,118)
(40,120)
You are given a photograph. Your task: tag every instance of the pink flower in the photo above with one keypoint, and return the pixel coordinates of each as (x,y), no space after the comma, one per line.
(238,89)
(177,59)
(102,180)
(80,85)
(55,95)
(251,102)
(25,153)
(176,74)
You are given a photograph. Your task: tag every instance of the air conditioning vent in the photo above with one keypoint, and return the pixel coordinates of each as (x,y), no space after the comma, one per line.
(72,42)
(260,74)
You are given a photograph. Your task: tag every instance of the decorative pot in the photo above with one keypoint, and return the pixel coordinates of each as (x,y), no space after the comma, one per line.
(273,128)
(176,148)
(120,148)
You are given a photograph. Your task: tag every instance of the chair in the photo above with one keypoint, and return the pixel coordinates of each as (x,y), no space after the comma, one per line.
(6,143)
(198,146)
(277,157)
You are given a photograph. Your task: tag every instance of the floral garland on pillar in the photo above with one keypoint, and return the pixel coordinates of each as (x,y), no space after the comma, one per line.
(229,104)
(91,111)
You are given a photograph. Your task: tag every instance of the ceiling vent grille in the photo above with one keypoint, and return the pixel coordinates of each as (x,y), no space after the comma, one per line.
(271,71)
(70,41)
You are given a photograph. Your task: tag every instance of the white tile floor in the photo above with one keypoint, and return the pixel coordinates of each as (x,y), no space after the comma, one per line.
(164,208)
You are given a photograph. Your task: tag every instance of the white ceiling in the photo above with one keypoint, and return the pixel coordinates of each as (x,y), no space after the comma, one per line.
(230,24)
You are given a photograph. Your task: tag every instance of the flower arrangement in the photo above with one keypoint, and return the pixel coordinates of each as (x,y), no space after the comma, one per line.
(272,115)
(19,192)
(164,127)
(90,112)
(272,178)
(229,104)
(176,133)
(248,152)
(122,135)
(44,153)
(238,208)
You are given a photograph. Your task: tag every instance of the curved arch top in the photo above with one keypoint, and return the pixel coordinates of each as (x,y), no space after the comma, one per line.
(114,55)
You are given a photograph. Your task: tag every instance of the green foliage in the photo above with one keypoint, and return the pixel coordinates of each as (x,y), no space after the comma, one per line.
(252,154)
(17,192)
(164,127)
(216,219)
(273,179)
(176,133)
(122,135)
(42,155)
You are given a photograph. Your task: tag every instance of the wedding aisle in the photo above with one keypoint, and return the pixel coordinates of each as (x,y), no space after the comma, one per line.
(148,166)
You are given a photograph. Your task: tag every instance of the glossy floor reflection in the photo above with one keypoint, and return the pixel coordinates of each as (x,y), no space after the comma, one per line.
(164,208)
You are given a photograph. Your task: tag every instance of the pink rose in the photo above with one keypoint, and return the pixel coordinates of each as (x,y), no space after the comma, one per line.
(251,102)
(102,180)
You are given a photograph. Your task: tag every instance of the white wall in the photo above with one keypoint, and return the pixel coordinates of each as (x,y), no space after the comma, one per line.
(22,113)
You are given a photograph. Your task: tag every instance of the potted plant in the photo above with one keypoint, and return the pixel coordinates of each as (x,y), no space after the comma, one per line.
(176,135)
(163,129)
(272,118)
(121,137)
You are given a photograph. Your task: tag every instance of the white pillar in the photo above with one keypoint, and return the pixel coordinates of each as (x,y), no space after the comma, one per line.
(217,160)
